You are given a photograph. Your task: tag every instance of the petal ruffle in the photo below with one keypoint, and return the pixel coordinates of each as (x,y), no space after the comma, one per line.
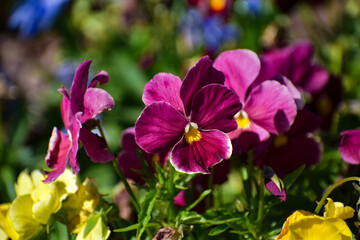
(214,107)
(101,77)
(271,106)
(159,127)
(197,157)
(95,146)
(240,68)
(350,146)
(79,86)
(202,74)
(58,154)
(96,101)
(164,87)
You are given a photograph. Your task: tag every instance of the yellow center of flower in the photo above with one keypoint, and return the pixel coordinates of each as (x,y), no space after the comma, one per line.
(242,120)
(217,5)
(192,134)
(280,141)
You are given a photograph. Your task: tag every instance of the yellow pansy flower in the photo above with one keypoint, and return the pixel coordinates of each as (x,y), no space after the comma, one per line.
(36,201)
(309,226)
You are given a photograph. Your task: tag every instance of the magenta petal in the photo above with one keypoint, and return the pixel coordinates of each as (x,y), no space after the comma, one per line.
(214,107)
(128,140)
(317,79)
(350,146)
(65,111)
(164,87)
(96,100)
(202,74)
(180,199)
(271,106)
(58,154)
(129,161)
(197,157)
(79,86)
(101,77)
(95,146)
(240,68)
(159,127)
(274,189)
(75,132)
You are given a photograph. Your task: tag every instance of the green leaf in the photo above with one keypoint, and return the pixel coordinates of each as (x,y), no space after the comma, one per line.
(290,179)
(218,229)
(202,196)
(91,223)
(145,212)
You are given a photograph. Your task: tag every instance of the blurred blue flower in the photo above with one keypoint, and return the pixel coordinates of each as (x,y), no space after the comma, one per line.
(254,6)
(211,31)
(35,16)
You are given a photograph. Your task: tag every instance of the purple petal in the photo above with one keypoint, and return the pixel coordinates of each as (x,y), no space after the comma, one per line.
(197,157)
(164,87)
(96,100)
(159,127)
(350,146)
(79,87)
(57,155)
(240,68)
(202,74)
(274,189)
(128,160)
(180,199)
(271,106)
(101,77)
(305,122)
(244,140)
(317,78)
(74,129)
(214,107)
(288,153)
(297,95)
(95,146)
(128,140)
(65,111)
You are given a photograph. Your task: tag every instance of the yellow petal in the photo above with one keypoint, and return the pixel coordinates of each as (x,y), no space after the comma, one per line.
(42,210)
(314,228)
(70,180)
(21,215)
(24,184)
(337,210)
(6,226)
(99,231)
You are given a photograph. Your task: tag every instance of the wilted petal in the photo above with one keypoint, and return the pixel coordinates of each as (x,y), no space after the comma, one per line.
(95,146)
(214,107)
(240,68)
(96,101)
(101,77)
(200,155)
(159,127)
(58,154)
(350,146)
(164,87)
(202,74)
(79,86)
(271,106)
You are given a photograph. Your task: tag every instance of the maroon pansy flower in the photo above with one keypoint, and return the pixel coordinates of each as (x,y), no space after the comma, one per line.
(350,146)
(287,152)
(84,103)
(189,117)
(268,107)
(295,63)
(128,158)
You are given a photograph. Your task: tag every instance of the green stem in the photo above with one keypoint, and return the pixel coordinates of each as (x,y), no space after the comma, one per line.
(330,189)
(261,199)
(171,192)
(121,174)
(146,168)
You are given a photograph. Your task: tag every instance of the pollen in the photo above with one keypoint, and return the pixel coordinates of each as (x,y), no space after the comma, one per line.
(280,141)
(217,5)
(192,134)
(242,120)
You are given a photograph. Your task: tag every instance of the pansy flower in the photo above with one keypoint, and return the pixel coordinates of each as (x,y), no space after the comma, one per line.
(128,158)
(189,117)
(286,152)
(295,62)
(84,103)
(350,146)
(268,107)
